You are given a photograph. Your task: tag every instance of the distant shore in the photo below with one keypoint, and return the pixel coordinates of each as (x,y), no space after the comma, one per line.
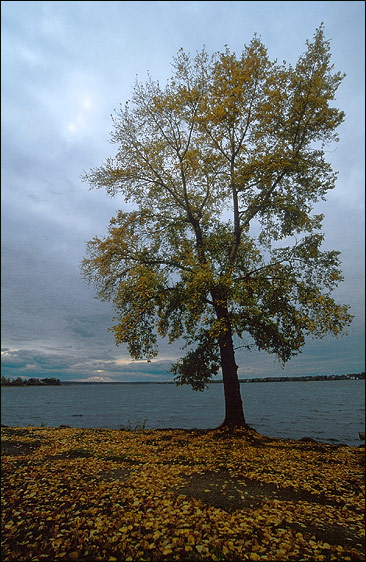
(354,376)
(58,382)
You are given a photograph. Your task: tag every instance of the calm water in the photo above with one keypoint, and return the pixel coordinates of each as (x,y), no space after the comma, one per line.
(328,411)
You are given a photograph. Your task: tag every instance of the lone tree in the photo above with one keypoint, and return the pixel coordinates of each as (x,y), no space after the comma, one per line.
(223,167)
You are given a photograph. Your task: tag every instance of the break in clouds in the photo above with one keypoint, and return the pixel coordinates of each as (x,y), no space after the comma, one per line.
(32,363)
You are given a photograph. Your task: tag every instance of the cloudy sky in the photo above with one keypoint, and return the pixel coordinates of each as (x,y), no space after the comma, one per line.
(65,67)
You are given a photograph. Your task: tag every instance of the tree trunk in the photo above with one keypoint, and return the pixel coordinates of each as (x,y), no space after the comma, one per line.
(234,413)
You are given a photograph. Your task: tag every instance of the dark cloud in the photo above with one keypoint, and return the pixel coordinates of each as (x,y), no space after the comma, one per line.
(34,363)
(23,360)
(65,67)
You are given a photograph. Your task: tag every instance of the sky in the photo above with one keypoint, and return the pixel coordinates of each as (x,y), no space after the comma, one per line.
(65,67)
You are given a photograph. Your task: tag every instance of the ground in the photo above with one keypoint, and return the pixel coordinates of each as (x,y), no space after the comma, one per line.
(117,495)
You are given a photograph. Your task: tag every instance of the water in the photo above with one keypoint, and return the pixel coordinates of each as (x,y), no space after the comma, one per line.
(328,411)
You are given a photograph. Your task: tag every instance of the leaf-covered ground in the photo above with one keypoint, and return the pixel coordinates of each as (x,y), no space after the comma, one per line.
(96,494)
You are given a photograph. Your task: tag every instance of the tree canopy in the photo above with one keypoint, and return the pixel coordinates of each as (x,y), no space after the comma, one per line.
(224,166)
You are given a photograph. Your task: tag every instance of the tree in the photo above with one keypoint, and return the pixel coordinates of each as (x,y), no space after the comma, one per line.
(50,381)
(223,166)
(32,382)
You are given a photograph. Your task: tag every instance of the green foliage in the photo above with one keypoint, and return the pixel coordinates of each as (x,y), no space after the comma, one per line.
(199,365)
(139,426)
(224,166)
(82,452)
(29,382)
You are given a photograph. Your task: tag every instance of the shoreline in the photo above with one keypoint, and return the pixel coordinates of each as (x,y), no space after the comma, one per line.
(192,431)
(305,378)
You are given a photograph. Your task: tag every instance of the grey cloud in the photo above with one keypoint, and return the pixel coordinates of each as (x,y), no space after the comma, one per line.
(34,359)
(69,64)
(85,328)
(29,363)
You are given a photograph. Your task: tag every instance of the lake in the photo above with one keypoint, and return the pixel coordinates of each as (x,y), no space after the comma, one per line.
(328,411)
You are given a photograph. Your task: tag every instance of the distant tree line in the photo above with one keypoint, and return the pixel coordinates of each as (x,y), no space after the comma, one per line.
(29,382)
(353,376)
